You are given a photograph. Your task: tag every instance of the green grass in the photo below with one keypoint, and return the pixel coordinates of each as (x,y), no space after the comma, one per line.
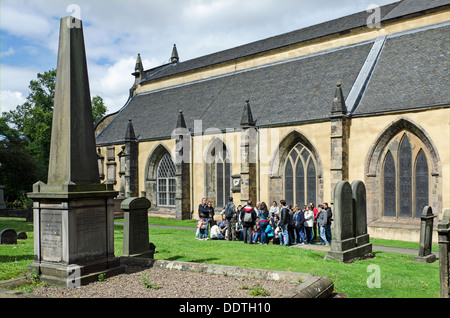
(400,277)
(14,259)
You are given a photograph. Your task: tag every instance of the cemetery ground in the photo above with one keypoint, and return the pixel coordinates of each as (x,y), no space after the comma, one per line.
(399,276)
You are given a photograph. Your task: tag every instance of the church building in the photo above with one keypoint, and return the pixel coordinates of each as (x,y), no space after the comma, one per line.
(363,97)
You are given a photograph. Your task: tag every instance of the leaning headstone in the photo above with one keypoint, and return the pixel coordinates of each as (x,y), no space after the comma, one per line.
(426,237)
(360,218)
(350,238)
(444,254)
(73,212)
(8,236)
(135,230)
(2,198)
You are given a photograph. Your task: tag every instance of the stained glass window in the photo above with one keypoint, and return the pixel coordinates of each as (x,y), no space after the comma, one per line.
(311,182)
(300,184)
(421,183)
(166,183)
(389,186)
(405,179)
(289,183)
(300,177)
(223,176)
(219,169)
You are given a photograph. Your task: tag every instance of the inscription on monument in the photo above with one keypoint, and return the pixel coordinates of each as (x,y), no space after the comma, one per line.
(51,239)
(91,231)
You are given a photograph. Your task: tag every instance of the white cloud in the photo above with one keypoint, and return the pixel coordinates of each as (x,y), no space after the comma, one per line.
(116,30)
(21,20)
(8,52)
(10,100)
(112,82)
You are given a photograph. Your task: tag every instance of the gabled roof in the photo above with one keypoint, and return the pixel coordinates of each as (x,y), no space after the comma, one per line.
(309,33)
(298,90)
(406,70)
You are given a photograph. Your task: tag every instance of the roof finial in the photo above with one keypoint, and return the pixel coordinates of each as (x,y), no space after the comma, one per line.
(247,117)
(130,135)
(139,67)
(339,106)
(174,58)
(181,123)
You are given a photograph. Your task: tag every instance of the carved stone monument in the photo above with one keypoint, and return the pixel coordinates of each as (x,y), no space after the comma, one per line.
(426,237)
(73,212)
(444,254)
(350,238)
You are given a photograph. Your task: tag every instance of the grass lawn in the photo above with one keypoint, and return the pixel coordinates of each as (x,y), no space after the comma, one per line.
(399,276)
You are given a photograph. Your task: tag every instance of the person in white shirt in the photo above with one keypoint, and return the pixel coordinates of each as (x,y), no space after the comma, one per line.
(274,209)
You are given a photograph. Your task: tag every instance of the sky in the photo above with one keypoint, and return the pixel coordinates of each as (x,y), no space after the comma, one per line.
(115,31)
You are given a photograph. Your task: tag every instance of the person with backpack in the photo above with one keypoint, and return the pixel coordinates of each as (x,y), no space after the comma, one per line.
(263,216)
(284,223)
(230,214)
(248,219)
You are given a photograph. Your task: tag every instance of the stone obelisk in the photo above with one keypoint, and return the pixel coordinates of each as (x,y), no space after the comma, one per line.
(73,212)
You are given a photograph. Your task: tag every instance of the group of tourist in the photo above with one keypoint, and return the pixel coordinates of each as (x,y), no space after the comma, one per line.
(284,224)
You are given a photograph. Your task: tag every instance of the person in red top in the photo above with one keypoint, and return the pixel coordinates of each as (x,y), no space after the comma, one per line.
(315,221)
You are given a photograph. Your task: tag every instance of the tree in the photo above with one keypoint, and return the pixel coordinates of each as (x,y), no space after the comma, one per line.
(18,169)
(98,109)
(32,122)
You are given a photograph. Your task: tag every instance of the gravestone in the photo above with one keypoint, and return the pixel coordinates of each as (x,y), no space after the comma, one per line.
(135,230)
(73,212)
(360,218)
(444,254)
(350,238)
(2,198)
(22,236)
(8,236)
(426,237)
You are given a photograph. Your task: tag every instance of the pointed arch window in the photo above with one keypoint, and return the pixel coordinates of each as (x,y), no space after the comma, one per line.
(405,179)
(219,172)
(166,182)
(300,177)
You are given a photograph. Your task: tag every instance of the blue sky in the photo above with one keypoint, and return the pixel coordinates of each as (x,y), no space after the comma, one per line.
(116,30)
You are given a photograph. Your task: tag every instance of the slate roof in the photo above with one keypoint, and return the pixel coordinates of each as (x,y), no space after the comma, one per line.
(406,7)
(411,71)
(309,33)
(299,90)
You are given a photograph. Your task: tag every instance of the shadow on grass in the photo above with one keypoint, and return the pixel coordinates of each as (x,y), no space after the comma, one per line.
(15,258)
(200,260)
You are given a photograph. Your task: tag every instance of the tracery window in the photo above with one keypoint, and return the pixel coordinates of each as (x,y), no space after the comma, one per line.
(166,182)
(406,178)
(300,177)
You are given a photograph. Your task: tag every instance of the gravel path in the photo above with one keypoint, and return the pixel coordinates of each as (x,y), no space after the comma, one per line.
(169,284)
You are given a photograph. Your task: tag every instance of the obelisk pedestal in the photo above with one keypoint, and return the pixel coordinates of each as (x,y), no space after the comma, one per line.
(73,212)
